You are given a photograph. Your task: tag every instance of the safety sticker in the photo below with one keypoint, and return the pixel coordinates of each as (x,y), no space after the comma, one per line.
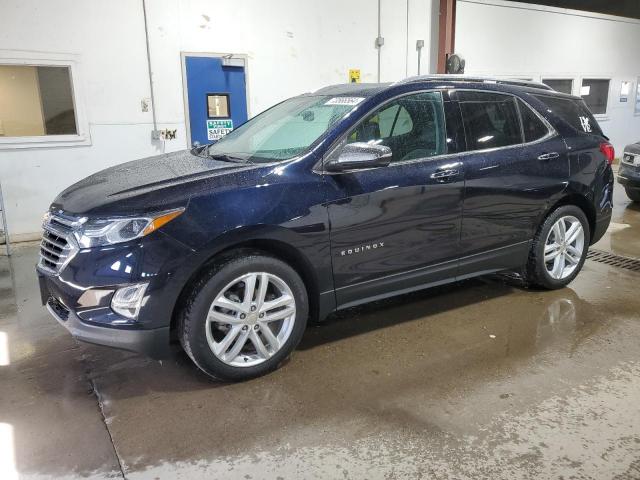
(350,101)
(216,129)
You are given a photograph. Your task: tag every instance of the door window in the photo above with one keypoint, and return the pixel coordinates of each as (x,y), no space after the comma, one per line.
(412,126)
(532,126)
(218,105)
(490,120)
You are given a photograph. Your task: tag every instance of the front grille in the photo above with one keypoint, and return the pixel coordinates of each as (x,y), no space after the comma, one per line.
(57,246)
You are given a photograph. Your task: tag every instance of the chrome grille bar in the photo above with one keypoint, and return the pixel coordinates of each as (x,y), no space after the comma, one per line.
(58,245)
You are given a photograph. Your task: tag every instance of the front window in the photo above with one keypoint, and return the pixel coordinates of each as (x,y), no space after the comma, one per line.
(412,126)
(36,101)
(285,130)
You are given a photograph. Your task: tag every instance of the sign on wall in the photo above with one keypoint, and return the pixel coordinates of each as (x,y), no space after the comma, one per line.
(625,90)
(216,129)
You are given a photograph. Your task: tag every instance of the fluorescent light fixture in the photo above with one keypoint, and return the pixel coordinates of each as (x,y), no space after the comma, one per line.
(4,349)
(8,469)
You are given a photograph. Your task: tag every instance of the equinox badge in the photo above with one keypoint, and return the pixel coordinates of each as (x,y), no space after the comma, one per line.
(362,248)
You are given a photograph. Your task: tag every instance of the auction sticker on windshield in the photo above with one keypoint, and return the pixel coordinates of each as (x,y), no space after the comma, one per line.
(216,129)
(344,101)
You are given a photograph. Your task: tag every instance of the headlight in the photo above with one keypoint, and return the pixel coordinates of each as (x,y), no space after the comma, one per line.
(107,231)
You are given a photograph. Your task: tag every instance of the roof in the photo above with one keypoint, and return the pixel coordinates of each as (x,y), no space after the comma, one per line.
(371,89)
(476,79)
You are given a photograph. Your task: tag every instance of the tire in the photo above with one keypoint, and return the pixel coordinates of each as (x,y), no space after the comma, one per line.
(547,275)
(210,334)
(634,195)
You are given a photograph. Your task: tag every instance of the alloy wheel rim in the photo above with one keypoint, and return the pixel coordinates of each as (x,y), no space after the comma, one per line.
(250,319)
(564,247)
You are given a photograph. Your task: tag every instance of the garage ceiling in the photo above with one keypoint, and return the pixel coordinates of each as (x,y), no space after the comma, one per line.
(623,8)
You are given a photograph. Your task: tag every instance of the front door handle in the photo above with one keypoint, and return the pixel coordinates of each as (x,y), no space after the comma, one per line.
(549,156)
(446,174)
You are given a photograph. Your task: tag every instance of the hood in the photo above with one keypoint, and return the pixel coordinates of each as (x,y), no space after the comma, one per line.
(141,185)
(633,148)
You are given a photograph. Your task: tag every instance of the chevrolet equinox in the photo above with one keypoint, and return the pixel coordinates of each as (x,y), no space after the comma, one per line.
(325,201)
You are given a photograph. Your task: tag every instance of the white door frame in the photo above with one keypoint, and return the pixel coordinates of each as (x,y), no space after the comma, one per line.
(185,89)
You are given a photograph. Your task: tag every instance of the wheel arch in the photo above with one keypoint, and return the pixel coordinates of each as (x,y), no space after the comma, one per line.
(277,248)
(579,201)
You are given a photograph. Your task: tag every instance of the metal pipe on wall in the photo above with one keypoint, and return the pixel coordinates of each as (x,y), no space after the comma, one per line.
(379,41)
(153,101)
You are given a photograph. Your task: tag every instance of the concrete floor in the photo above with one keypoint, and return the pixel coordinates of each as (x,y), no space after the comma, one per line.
(476,380)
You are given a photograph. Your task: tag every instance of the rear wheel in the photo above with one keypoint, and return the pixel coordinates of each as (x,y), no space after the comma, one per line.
(634,195)
(559,248)
(244,317)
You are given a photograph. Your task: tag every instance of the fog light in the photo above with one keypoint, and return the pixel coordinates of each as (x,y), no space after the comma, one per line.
(128,300)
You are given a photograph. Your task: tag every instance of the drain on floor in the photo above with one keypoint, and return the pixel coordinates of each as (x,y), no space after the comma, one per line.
(614,260)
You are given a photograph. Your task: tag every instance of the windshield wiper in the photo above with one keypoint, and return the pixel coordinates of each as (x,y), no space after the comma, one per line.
(228,158)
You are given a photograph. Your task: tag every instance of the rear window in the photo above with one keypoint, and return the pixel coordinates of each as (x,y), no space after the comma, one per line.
(574,112)
(490,120)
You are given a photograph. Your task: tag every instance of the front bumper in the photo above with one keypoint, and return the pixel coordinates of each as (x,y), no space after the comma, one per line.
(79,295)
(153,343)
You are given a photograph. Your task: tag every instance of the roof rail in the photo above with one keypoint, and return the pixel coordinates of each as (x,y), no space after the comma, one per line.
(479,79)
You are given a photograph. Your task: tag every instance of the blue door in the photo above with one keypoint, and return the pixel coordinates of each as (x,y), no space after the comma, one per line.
(217,97)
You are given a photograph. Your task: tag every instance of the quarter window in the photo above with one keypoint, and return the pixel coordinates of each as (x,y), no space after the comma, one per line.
(532,126)
(595,93)
(490,120)
(412,126)
(36,101)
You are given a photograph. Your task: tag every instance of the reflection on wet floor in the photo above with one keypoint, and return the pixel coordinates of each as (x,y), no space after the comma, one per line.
(481,379)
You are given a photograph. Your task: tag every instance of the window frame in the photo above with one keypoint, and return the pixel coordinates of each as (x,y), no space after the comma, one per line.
(72,62)
(560,77)
(341,141)
(598,116)
(550,134)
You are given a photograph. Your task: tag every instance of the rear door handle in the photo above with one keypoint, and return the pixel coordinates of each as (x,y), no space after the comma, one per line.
(446,174)
(549,156)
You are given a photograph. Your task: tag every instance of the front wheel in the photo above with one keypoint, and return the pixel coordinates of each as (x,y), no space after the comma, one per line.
(244,317)
(633,194)
(559,248)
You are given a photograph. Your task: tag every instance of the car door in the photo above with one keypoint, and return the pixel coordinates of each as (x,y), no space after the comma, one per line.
(515,166)
(397,227)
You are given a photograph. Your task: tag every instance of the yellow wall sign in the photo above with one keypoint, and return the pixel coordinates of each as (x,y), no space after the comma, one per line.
(354,75)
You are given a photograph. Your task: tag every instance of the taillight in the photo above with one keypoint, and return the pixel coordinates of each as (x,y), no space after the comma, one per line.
(607,149)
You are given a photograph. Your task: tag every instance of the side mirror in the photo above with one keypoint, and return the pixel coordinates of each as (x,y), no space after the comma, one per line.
(360,155)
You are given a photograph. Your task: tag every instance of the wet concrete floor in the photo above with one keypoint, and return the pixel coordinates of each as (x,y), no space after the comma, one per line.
(477,380)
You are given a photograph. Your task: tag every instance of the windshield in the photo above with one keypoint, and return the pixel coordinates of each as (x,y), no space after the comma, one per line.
(285,130)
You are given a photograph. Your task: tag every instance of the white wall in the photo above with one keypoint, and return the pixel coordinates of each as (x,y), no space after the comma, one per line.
(292,46)
(503,38)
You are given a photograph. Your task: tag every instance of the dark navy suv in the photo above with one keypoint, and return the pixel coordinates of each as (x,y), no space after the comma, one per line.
(327,200)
